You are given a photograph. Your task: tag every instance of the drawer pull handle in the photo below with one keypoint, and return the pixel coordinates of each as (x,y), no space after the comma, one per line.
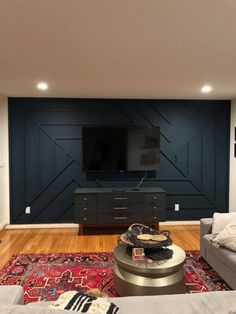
(120,218)
(85,198)
(117,208)
(85,208)
(154,197)
(120,198)
(85,218)
(154,207)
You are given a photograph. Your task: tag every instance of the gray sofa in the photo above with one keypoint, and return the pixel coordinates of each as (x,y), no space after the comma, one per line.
(11,300)
(221,259)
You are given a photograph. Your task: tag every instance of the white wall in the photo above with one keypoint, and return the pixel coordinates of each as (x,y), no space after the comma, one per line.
(4,163)
(232,165)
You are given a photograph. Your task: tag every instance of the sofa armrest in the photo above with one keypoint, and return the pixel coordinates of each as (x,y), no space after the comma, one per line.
(205,226)
(11,295)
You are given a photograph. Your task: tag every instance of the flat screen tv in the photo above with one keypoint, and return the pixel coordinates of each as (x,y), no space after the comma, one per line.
(121,148)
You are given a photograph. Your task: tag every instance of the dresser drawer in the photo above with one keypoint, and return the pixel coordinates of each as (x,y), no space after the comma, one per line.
(86,198)
(154,198)
(120,198)
(85,216)
(84,201)
(154,203)
(161,216)
(119,218)
(85,208)
(119,207)
(88,219)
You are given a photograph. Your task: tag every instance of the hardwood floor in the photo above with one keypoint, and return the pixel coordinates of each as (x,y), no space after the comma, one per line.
(20,241)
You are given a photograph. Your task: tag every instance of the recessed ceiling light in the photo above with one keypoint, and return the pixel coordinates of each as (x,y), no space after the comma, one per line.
(42,86)
(206,89)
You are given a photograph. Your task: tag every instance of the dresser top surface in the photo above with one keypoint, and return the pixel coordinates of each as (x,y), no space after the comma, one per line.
(119,190)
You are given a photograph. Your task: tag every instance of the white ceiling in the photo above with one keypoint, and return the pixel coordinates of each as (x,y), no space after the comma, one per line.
(118,49)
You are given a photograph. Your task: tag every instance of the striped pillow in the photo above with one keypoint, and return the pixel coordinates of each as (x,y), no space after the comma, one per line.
(83,303)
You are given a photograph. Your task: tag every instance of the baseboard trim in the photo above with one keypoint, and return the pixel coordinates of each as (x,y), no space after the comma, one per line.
(3,225)
(42,226)
(177,223)
(71,225)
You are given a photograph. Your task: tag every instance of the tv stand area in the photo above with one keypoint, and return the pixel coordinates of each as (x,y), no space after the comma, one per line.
(119,206)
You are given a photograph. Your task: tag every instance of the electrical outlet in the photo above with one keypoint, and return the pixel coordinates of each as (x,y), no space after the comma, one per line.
(176,207)
(27,210)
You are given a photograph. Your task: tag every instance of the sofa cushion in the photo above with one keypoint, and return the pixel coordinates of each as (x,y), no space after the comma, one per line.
(231,260)
(213,247)
(40,303)
(227,237)
(22,309)
(211,302)
(226,256)
(220,220)
(11,295)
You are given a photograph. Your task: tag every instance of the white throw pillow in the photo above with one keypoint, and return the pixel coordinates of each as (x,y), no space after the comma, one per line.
(220,220)
(227,237)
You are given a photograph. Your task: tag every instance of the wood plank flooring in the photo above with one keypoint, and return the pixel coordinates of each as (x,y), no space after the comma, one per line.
(19,241)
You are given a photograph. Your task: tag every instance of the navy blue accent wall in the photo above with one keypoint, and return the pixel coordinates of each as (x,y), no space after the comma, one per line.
(46,144)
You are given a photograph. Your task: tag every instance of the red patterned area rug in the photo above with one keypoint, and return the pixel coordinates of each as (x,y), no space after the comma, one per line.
(46,276)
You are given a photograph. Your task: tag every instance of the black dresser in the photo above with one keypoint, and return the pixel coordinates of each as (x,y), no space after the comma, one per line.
(108,206)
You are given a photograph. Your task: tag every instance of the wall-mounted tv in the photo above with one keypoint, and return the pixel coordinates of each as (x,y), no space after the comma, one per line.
(121,148)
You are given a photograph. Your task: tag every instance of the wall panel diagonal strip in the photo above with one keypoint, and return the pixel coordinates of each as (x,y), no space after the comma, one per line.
(46,153)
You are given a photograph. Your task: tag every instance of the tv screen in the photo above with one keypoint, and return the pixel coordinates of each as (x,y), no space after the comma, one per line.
(121,148)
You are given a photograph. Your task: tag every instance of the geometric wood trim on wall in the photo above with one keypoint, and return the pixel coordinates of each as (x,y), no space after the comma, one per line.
(46,154)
